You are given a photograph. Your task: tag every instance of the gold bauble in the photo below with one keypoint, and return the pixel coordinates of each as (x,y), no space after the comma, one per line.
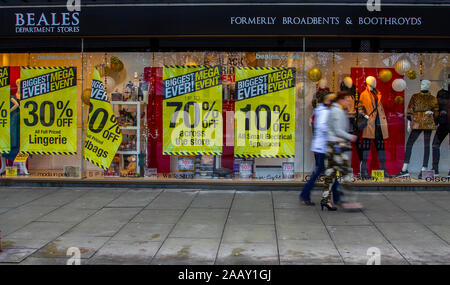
(399,100)
(385,75)
(86,97)
(314,74)
(412,74)
(402,66)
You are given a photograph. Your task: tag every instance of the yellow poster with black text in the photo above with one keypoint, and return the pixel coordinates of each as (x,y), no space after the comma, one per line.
(192,110)
(103,135)
(5,135)
(265,112)
(48,110)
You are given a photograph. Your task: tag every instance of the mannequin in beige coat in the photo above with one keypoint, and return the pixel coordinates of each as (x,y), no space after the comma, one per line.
(376,130)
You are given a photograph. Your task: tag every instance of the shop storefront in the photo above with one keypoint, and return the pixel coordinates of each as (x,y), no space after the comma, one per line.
(204,92)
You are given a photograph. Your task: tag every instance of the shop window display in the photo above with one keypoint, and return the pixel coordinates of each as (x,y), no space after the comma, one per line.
(399,112)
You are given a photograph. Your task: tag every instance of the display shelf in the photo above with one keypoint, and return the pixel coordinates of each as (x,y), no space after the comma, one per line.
(137,128)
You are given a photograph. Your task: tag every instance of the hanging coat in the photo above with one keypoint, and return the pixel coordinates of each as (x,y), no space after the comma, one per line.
(370,101)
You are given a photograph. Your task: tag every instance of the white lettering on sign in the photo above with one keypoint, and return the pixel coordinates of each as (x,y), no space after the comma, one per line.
(253,20)
(45,22)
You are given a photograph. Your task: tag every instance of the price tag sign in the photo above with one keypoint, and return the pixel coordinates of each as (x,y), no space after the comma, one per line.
(378,175)
(192,110)
(5,139)
(21,157)
(265,112)
(48,110)
(11,171)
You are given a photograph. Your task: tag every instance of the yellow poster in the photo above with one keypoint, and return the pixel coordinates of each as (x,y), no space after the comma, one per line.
(5,136)
(48,110)
(192,110)
(103,135)
(265,112)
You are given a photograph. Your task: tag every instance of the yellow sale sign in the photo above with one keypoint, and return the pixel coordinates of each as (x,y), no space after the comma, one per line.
(192,110)
(5,136)
(48,110)
(103,135)
(265,112)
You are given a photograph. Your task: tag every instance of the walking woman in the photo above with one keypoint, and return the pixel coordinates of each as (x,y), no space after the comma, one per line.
(318,146)
(338,144)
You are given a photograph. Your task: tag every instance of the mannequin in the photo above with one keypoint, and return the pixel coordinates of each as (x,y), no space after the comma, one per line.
(443,129)
(322,90)
(15,131)
(421,114)
(376,130)
(347,85)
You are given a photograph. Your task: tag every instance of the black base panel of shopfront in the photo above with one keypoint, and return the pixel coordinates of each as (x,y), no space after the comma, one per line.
(214,185)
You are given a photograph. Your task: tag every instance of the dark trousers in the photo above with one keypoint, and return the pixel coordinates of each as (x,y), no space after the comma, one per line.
(441,132)
(412,139)
(318,170)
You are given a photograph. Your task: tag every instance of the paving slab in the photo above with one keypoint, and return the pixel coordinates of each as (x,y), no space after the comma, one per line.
(302,216)
(308,251)
(15,255)
(41,231)
(302,232)
(106,222)
(342,218)
(207,216)
(358,235)
(248,254)
(67,214)
(187,252)
(143,232)
(58,248)
(49,261)
(59,197)
(197,230)
(443,231)
(135,198)
(242,217)
(95,199)
(440,217)
(19,217)
(23,243)
(158,216)
(358,254)
(249,233)
(5,209)
(126,252)
(22,197)
(213,199)
(412,202)
(286,199)
(388,216)
(174,200)
(424,252)
(261,200)
(406,231)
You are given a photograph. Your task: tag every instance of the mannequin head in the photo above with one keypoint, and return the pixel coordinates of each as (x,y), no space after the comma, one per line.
(371,82)
(425,85)
(323,83)
(348,82)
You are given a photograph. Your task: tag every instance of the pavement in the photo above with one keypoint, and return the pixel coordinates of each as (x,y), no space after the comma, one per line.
(185,226)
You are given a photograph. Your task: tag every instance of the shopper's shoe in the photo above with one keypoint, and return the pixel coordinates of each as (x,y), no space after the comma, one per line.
(327,205)
(307,202)
(402,174)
